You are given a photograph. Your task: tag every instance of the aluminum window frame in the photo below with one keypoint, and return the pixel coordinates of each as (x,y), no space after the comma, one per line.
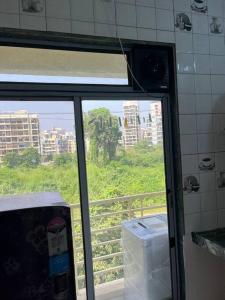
(77,93)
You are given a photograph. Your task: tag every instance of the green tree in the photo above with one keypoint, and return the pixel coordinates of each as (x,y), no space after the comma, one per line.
(103,133)
(11,160)
(62,159)
(30,158)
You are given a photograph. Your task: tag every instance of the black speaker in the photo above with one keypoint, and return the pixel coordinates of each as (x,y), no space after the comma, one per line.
(150,68)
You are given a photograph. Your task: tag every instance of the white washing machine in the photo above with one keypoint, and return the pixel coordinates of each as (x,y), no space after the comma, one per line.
(146,259)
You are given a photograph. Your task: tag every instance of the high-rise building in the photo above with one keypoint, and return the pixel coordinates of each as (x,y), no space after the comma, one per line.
(18,130)
(156,123)
(57,141)
(132,128)
(48,143)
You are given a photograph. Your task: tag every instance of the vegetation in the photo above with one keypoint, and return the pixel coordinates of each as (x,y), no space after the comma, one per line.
(29,158)
(103,132)
(128,174)
(112,172)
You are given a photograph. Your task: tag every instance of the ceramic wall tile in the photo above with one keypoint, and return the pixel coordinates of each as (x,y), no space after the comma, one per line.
(146,34)
(218,103)
(108,30)
(182,5)
(187,103)
(220,199)
(217,63)
(206,143)
(164,20)
(217,45)
(151,3)
(200,43)
(82,10)
(126,15)
(199,7)
(221,218)
(209,220)
(58,9)
(146,17)
(183,22)
(9,6)
(58,25)
(165,36)
(127,32)
(132,2)
(218,86)
(205,123)
(192,222)
(208,201)
(164,4)
(216,8)
(220,142)
(187,124)
(185,63)
(192,203)
(219,120)
(203,103)
(203,84)
(188,144)
(206,162)
(189,164)
(200,23)
(220,161)
(184,42)
(32,23)
(202,63)
(208,182)
(83,27)
(216,25)
(186,84)
(104,12)
(36,8)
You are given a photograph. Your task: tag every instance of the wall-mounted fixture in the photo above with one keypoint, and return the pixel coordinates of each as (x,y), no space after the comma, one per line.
(191,184)
(151,69)
(199,6)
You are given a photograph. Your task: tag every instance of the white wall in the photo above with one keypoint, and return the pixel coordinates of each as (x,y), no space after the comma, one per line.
(201,88)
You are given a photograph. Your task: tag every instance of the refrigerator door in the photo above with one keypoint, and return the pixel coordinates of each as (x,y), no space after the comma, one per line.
(36,254)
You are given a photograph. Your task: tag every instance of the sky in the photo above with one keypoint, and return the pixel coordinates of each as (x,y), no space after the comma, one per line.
(61,113)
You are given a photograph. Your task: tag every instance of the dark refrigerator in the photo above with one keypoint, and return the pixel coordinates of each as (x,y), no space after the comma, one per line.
(36,249)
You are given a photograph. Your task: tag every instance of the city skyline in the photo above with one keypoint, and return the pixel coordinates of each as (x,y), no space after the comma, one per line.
(21,129)
(61,113)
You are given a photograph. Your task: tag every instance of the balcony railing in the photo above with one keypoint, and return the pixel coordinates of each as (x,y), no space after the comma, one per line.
(106,217)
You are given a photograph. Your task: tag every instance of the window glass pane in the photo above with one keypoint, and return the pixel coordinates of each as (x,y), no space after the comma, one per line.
(59,66)
(38,154)
(127,199)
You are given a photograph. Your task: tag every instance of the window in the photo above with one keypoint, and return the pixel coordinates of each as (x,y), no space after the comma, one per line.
(59,66)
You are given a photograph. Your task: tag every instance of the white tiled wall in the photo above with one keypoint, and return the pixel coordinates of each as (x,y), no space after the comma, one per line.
(201,88)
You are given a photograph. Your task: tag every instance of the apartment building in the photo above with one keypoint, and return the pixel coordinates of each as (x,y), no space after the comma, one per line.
(57,141)
(155,126)
(18,130)
(132,128)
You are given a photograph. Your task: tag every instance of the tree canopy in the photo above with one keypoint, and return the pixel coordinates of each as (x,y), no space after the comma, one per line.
(102,133)
(29,158)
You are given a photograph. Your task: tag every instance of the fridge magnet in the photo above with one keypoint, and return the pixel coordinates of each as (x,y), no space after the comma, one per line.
(183,22)
(221,180)
(191,184)
(206,164)
(32,6)
(215,26)
(199,6)
(37,238)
